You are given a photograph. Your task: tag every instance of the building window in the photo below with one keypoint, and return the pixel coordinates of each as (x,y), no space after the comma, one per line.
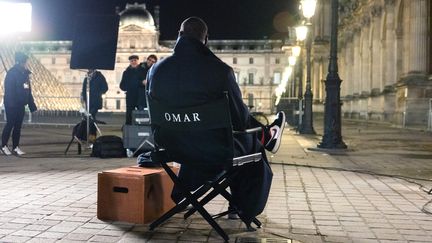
(118,103)
(132,44)
(250,100)
(251,60)
(53,60)
(277,78)
(251,78)
(277,60)
(235,60)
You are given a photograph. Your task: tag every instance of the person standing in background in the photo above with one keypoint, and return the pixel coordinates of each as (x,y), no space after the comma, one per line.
(151,59)
(133,83)
(17,94)
(98,87)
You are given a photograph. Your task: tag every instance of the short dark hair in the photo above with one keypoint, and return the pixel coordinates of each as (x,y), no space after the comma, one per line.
(20,57)
(152,56)
(133,57)
(194,27)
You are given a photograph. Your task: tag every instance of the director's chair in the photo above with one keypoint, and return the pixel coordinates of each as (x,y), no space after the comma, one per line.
(214,115)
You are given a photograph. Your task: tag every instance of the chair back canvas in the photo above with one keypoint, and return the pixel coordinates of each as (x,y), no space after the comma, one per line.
(210,116)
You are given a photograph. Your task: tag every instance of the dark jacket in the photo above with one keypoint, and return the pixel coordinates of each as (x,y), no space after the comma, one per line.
(98,87)
(17,88)
(193,75)
(132,83)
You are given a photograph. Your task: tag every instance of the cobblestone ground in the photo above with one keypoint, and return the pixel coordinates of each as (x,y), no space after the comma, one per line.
(316,196)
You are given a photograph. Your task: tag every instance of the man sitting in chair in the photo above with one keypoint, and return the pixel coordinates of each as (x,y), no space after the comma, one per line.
(192,76)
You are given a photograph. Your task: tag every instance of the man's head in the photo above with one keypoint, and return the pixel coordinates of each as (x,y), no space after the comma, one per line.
(133,61)
(21,59)
(194,27)
(152,59)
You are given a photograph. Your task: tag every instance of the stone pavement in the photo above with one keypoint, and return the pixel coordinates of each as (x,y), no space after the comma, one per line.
(368,193)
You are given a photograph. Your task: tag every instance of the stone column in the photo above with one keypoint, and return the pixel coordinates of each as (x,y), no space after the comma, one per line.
(342,68)
(316,78)
(418,36)
(390,53)
(376,59)
(349,58)
(356,65)
(365,57)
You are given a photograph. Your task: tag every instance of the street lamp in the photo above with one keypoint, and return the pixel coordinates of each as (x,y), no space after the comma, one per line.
(332,138)
(296,51)
(308,10)
(301,32)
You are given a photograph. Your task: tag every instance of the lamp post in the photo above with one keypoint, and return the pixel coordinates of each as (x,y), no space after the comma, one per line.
(301,34)
(332,138)
(296,50)
(292,62)
(308,9)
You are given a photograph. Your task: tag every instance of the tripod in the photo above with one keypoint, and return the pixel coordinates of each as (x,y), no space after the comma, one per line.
(88,126)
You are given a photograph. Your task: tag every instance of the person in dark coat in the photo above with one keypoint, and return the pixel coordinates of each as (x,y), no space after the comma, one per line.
(192,76)
(150,61)
(98,87)
(17,94)
(133,83)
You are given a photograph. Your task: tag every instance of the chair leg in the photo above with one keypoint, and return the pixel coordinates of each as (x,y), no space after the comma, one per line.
(190,199)
(217,188)
(178,208)
(79,148)
(209,219)
(67,148)
(228,197)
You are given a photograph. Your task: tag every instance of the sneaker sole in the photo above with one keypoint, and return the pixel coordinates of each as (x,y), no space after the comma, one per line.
(6,154)
(278,141)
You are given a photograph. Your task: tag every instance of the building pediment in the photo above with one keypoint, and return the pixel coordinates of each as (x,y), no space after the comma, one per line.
(131,28)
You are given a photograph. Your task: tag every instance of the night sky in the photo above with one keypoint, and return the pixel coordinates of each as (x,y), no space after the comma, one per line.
(226,19)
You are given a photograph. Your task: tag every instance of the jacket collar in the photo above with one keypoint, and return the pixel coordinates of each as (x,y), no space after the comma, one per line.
(190,46)
(21,69)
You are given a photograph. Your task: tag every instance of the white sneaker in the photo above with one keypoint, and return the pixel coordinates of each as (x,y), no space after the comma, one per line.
(18,151)
(5,150)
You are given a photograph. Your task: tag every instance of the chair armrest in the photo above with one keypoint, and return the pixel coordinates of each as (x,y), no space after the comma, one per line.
(248,131)
(246,159)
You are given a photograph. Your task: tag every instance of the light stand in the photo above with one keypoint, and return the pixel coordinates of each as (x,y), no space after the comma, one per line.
(332,138)
(90,76)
